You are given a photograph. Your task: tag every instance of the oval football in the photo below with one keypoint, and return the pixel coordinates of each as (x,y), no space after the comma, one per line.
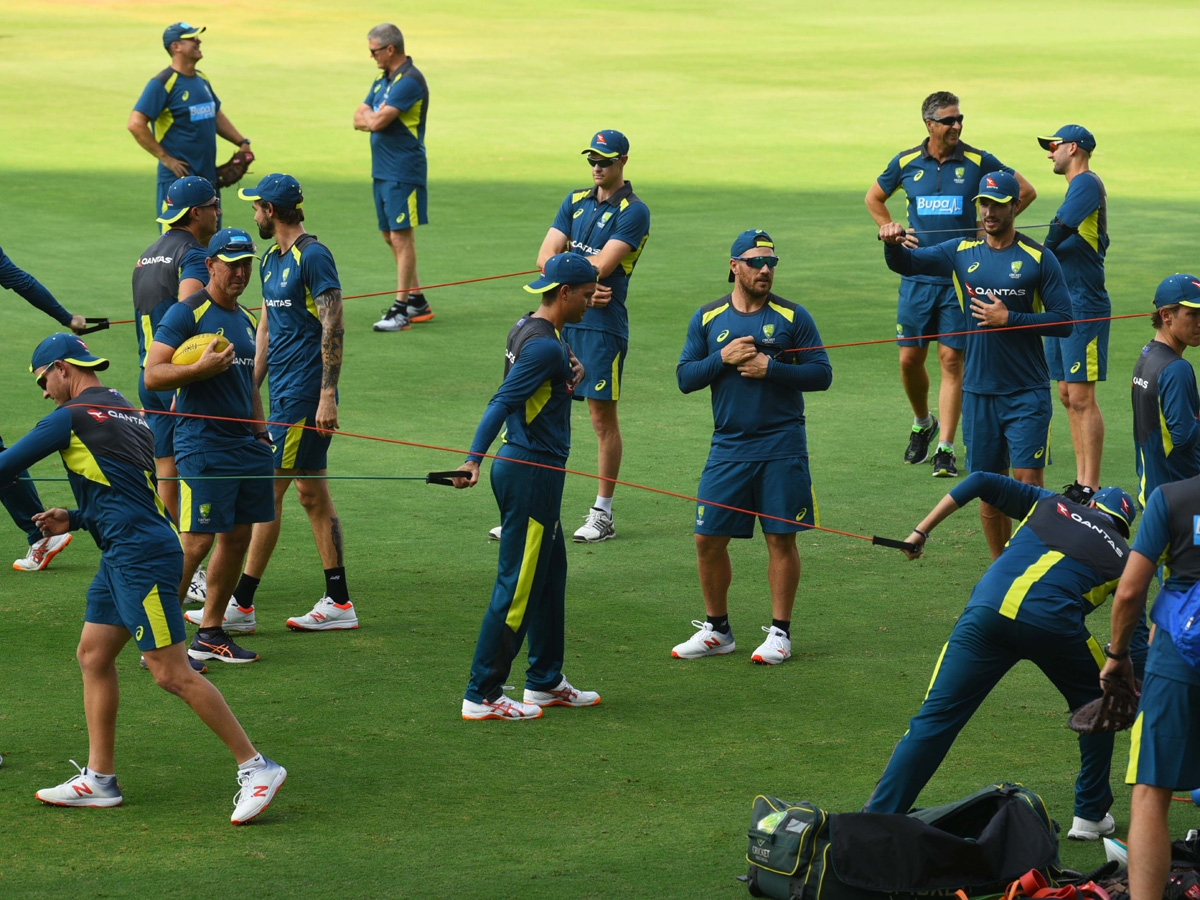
(193,348)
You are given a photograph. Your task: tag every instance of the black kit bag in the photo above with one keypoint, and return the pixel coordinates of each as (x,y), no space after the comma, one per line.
(978,845)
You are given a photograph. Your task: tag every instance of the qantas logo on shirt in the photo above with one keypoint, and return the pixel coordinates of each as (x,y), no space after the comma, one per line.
(1076,517)
(939,205)
(131,418)
(999,292)
(97,415)
(581,247)
(151,260)
(274,303)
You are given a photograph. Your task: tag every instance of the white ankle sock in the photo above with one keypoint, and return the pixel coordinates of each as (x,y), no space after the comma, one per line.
(604,503)
(252,765)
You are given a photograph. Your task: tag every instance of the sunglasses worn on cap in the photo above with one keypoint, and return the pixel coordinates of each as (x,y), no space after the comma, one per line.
(947,120)
(237,247)
(757,262)
(601,162)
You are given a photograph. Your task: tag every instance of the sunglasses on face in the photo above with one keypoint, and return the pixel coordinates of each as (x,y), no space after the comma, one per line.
(377,50)
(1054,145)
(601,162)
(947,120)
(757,262)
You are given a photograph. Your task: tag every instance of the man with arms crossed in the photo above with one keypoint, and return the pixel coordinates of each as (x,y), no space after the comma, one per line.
(178,117)
(20,497)
(394,114)
(1004,280)
(300,337)
(107,448)
(224,466)
(533,405)
(937,176)
(1164,753)
(739,347)
(1078,238)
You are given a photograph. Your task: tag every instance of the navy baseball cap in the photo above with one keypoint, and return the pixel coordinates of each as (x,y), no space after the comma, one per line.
(231,244)
(609,143)
(1118,504)
(185,193)
(563,268)
(66,347)
(748,240)
(180,31)
(1002,187)
(1180,288)
(276,188)
(1070,134)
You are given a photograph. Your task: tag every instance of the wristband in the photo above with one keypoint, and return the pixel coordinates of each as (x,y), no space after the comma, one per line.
(1116,656)
(244,141)
(924,534)
(262,436)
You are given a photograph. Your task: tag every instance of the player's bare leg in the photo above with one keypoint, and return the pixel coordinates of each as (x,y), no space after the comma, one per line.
(997,527)
(1087,429)
(716,572)
(168,491)
(950,391)
(322,515)
(915,379)
(404,248)
(611,446)
(196,545)
(1149,841)
(99,646)
(173,673)
(783,573)
(223,570)
(265,535)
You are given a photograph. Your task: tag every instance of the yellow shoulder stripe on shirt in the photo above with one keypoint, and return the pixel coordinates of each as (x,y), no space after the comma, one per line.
(713,313)
(534,405)
(1021,585)
(201,310)
(908,157)
(973,157)
(576,196)
(78,459)
(788,314)
(1032,251)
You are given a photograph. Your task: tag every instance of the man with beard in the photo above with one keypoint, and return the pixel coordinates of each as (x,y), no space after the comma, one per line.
(741,347)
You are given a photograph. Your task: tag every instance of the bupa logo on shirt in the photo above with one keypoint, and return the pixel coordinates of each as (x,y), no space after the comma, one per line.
(200,111)
(939,205)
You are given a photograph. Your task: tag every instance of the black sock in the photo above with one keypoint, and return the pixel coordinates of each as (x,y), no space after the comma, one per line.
(243,594)
(210,634)
(335,585)
(720,623)
(417,299)
(783,625)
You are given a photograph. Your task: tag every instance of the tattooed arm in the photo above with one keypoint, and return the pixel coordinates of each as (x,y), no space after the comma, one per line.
(329,311)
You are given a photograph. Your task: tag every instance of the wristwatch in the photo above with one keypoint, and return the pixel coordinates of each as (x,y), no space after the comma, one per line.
(1111,655)
(263,436)
(244,141)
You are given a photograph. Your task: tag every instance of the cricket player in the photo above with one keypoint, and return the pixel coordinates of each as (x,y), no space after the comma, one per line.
(738,347)
(107,449)
(1031,604)
(938,176)
(533,406)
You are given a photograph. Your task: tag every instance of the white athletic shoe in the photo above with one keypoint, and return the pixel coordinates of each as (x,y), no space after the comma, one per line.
(494,534)
(394,318)
(236,619)
(563,695)
(198,590)
(41,552)
(775,649)
(257,790)
(597,526)
(326,616)
(704,642)
(500,708)
(1087,830)
(82,790)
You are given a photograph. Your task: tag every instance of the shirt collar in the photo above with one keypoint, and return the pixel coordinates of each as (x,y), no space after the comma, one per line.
(957,155)
(403,70)
(621,193)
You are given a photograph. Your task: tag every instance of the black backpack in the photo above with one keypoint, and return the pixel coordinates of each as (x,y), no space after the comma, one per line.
(978,845)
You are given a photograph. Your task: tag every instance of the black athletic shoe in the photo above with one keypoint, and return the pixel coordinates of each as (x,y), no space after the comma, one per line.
(1078,493)
(217,645)
(943,464)
(919,441)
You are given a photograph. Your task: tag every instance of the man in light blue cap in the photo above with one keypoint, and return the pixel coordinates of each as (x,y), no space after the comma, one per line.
(533,405)
(1078,237)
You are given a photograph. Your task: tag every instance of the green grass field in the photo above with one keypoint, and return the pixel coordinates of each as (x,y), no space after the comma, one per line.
(776,117)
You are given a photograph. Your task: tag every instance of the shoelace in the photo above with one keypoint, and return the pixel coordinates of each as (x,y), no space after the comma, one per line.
(82,774)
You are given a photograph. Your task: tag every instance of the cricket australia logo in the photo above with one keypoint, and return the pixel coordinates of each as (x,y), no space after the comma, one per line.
(768,334)
(1016,269)
(700,517)
(958,174)
(205,509)
(604,219)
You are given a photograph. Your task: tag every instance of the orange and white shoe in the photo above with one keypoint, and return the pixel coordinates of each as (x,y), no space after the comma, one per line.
(256,789)
(705,642)
(563,695)
(501,708)
(82,790)
(41,552)
(326,616)
(236,619)
(775,649)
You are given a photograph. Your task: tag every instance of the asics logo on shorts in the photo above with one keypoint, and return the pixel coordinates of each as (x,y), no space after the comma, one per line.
(1075,368)
(1038,455)
(939,206)
(600,385)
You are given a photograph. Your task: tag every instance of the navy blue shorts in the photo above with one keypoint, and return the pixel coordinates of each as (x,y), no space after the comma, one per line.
(1082,356)
(398,205)
(1164,746)
(215,505)
(603,357)
(296,447)
(774,487)
(142,596)
(925,308)
(161,426)
(1007,430)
